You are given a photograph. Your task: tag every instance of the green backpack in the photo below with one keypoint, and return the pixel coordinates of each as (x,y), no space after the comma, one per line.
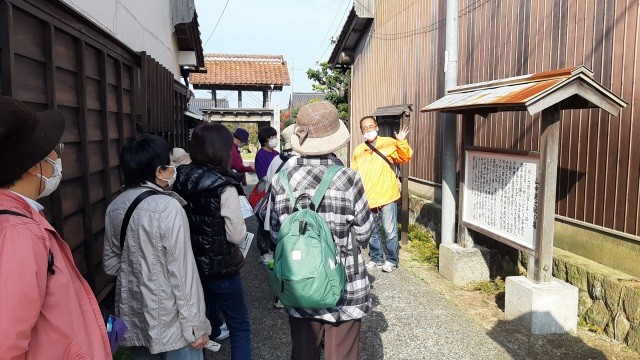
(307,272)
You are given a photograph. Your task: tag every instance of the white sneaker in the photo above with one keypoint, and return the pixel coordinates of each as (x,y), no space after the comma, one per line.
(224,334)
(213,346)
(265,258)
(389,267)
(373,265)
(278,304)
(223,327)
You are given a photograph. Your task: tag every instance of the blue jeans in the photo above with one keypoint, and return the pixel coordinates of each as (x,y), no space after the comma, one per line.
(387,218)
(226,295)
(185,353)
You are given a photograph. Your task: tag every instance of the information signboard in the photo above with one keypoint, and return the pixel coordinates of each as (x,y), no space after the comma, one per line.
(501,196)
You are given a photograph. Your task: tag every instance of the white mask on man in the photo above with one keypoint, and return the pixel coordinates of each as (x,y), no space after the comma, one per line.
(370,135)
(51,184)
(273,143)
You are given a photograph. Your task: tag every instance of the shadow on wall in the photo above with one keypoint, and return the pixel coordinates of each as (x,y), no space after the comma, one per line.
(521,344)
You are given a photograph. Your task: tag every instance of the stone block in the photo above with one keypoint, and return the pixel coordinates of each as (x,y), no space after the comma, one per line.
(631,305)
(633,338)
(463,266)
(621,327)
(542,308)
(594,285)
(597,314)
(559,269)
(577,276)
(584,302)
(612,292)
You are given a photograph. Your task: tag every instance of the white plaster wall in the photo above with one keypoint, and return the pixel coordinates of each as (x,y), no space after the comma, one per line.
(143,25)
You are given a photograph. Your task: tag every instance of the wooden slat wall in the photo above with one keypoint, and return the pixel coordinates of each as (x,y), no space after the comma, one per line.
(165,101)
(401,61)
(89,78)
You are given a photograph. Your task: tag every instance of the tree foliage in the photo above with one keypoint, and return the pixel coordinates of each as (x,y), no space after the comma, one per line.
(335,84)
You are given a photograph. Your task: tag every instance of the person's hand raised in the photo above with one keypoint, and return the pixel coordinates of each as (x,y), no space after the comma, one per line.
(402,134)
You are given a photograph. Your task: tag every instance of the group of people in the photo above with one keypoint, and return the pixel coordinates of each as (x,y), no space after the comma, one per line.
(171,237)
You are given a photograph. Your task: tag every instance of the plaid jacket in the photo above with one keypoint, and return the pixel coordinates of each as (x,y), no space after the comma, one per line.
(344,203)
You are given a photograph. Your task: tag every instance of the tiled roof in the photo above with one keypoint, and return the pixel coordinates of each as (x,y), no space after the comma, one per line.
(258,70)
(195,105)
(302,98)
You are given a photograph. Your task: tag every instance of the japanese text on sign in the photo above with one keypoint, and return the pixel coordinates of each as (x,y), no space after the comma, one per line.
(500,195)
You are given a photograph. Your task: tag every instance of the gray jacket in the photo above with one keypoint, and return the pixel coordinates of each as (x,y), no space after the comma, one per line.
(158,292)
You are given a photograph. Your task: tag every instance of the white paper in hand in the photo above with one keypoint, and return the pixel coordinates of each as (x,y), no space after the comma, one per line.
(244,244)
(212,345)
(245,207)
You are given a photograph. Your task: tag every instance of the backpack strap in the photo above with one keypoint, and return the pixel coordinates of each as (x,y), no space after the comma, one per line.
(324,184)
(127,215)
(50,259)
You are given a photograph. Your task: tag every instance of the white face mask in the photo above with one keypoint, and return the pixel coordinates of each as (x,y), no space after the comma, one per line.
(273,143)
(370,135)
(51,184)
(173,179)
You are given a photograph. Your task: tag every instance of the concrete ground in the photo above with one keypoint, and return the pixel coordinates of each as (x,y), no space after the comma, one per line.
(416,315)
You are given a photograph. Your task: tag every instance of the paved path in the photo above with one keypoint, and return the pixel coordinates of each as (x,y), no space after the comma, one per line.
(410,320)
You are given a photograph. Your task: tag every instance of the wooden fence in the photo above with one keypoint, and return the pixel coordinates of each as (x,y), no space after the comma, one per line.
(50,57)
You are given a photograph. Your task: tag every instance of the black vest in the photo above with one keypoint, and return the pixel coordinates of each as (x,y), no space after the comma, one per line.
(201,186)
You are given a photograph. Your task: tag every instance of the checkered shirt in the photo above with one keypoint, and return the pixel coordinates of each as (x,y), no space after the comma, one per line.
(344,203)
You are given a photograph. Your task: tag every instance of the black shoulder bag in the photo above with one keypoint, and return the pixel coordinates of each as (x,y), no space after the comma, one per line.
(127,215)
(373,148)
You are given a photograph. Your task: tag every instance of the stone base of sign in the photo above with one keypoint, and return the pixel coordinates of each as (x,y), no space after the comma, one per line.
(544,308)
(463,266)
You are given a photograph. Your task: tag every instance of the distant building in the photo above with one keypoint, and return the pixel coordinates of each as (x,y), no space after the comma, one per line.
(298,99)
(196,105)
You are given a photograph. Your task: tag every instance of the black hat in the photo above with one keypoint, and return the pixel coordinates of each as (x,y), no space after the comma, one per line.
(26,137)
(242,135)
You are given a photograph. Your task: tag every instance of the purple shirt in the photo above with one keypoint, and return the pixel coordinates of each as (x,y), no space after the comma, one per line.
(263,159)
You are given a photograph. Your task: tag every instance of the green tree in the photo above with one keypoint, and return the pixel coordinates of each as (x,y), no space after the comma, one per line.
(335,84)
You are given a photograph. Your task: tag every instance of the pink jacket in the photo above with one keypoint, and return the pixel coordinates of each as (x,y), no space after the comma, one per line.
(43,316)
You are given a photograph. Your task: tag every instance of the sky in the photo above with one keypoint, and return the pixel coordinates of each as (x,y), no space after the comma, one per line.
(300,30)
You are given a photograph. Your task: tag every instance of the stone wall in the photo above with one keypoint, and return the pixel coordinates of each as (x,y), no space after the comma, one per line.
(609,299)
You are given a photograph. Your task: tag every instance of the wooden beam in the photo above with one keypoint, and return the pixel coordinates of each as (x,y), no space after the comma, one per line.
(6,48)
(84,159)
(404,192)
(104,124)
(540,265)
(239,99)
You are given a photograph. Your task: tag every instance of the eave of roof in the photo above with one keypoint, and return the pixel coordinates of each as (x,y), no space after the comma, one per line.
(237,71)
(571,88)
(352,33)
(188,37)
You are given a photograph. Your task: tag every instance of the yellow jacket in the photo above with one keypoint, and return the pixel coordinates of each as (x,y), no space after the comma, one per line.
(380,184)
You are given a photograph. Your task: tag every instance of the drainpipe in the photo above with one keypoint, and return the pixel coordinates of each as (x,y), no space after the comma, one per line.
(448,121)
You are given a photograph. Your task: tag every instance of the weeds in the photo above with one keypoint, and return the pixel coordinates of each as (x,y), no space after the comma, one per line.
(422,246)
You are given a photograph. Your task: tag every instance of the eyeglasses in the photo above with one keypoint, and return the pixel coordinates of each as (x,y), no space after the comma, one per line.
(368,128)
(59,149)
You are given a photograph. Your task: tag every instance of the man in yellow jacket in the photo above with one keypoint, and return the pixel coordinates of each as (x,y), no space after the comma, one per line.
(374,160)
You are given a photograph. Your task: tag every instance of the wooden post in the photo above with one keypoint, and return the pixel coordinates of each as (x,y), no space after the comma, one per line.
(464,238)
(404,194)
(239,99)
(540,269)
(265,94)
(214,97)
(6,49)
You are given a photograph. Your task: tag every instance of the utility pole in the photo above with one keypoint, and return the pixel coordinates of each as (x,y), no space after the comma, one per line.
(448,122)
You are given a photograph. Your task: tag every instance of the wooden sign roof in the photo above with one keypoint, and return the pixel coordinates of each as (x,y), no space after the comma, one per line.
(572,88)
(228,70)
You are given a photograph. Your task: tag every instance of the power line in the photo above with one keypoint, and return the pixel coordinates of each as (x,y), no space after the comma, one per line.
(337,29)
(215,27)
(328,30)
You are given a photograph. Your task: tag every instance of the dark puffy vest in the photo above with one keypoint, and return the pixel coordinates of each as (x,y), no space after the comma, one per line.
(201,186)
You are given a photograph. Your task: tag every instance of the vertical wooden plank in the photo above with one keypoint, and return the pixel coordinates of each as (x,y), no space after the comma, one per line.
(120,95)
(104,124)
(84,160)
(49,38)
(143,98)
(6,48)
(541,268)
